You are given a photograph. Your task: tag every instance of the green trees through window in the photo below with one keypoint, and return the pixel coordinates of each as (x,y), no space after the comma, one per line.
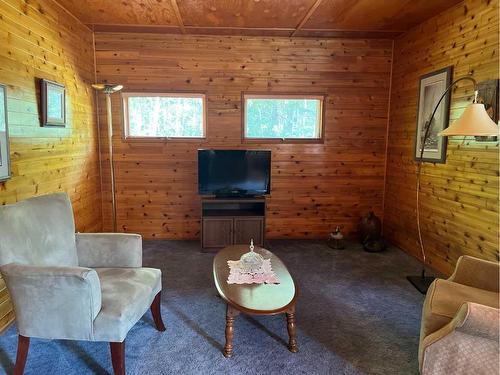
(165,115)
(179,115)
(287,117)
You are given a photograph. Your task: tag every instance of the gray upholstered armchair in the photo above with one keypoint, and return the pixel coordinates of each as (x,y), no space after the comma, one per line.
(76,287)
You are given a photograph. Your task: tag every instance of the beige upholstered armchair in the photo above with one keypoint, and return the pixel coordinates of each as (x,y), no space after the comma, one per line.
(76,287)
(459,332)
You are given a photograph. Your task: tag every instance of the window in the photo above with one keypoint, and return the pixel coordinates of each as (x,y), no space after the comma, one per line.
(283,117)
(164,115)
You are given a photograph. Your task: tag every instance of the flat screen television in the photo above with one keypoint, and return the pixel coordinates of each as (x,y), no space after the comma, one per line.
(234,173)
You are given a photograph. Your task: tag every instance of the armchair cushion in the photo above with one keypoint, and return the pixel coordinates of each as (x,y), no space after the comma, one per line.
(444,298)
(54,302)
(127,294)
(39,231)
(109,250)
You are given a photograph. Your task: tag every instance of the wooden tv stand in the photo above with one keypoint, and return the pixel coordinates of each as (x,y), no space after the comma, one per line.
(232,221)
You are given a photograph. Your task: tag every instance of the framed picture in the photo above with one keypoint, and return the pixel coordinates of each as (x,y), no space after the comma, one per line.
(53,97)
(4,136)
(488,95)
(432,87)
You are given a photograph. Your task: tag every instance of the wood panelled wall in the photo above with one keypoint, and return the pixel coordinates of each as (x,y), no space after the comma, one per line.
(40,40)
(314,186)
(459,199)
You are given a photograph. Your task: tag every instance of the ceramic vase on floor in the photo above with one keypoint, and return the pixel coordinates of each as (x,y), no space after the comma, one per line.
(370,229)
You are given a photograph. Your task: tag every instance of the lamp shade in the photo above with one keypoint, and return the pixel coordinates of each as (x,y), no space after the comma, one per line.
(107,88)
(475,121)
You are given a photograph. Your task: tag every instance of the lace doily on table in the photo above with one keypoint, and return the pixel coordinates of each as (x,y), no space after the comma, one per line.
(264,275)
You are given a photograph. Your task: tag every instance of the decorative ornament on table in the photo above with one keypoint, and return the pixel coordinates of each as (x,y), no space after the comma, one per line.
(251,262)
(336,240)
(252,268)
(370,230)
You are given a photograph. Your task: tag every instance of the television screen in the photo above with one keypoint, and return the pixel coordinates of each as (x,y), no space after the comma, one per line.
(234,172)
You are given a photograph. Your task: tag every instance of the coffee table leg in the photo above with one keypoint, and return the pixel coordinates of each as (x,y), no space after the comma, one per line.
(292,332)
(231,313)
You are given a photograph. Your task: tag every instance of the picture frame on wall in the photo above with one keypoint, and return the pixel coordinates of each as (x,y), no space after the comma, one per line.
(431,88)
(53,97)
(488,95)
(4,136)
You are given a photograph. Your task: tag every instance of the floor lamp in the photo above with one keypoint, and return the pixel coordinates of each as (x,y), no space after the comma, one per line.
(108,90)
(474,121)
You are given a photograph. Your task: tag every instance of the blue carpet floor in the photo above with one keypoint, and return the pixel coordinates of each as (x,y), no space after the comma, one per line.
(356,314)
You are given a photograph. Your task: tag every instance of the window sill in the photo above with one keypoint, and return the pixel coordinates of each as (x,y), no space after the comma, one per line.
(284,140)
(164,139)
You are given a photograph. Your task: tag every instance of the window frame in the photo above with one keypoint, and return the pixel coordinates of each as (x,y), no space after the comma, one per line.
(171,94)
(267,95)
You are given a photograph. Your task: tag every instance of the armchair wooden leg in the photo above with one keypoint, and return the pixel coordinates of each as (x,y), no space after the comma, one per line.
(156,311)
(118,357)
(23,346)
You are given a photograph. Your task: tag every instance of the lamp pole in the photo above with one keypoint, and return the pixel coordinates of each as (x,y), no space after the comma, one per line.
(423,282)
(108,90)
(111,161)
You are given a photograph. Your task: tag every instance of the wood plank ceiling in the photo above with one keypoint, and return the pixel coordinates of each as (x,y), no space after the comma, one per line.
(307,18)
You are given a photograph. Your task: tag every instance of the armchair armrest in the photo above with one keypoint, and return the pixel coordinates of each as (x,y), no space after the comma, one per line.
(477,320)
(477,273)
(472,323)
(54,302)
(114,250)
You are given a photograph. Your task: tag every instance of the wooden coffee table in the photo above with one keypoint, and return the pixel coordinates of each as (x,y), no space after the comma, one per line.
(255,299)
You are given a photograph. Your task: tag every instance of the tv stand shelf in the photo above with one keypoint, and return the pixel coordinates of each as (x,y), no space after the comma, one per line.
(230,221)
